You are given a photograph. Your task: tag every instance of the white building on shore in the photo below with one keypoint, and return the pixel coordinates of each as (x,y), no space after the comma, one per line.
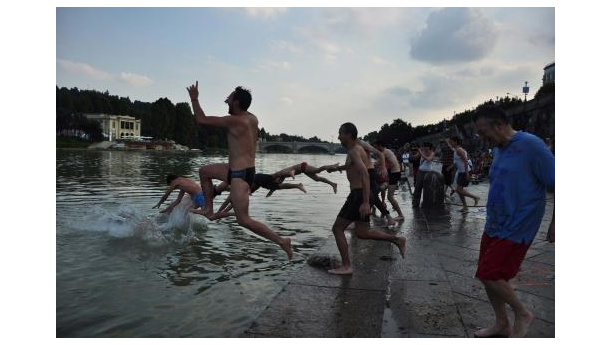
(117,126)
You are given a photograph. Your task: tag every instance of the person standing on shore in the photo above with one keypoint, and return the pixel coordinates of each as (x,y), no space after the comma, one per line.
(357,207)
(447,166)
(242,132)
(460,161)
(521,171)
(426,152)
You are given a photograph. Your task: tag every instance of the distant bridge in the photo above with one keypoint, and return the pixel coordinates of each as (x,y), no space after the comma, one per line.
(297,146)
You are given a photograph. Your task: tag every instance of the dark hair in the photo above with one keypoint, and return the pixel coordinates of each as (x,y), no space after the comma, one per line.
(349,128)
(428,145)
(379,142)
(492,113)
(457,139)
(243,96)
(170,177)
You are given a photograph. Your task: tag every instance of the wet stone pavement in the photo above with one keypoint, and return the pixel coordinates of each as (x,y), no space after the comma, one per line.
(430,293)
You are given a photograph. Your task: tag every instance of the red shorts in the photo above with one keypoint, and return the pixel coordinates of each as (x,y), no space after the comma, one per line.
(499,258)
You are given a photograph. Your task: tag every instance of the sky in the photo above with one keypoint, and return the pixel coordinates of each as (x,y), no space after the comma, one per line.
(310,69)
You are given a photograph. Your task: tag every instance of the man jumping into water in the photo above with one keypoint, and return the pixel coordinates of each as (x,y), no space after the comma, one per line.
(242,132)
(184,185)
(357,208)
(309,170)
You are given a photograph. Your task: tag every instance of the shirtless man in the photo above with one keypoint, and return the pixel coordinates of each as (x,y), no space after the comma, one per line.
(184,185)
(242,131)
(357,208)
(310,171)
(260,180)
(393,176)
(374,187)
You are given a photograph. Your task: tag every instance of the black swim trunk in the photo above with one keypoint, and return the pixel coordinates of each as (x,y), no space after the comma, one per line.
(448,174)
(461,180)
(351,208)
(394,178)
(245,174)
(266,181)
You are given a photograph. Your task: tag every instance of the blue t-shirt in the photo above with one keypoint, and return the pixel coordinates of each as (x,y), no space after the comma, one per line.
(519,175)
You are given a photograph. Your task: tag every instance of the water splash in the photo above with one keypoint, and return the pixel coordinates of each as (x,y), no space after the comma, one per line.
(126,221)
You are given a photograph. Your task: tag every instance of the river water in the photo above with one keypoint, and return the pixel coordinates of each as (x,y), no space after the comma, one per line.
(124,270)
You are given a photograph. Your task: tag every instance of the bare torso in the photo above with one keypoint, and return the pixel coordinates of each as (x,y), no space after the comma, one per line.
(353,175)
(188,186)
(242,141)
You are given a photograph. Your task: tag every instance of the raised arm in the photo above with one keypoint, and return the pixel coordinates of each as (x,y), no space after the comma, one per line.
(200,116)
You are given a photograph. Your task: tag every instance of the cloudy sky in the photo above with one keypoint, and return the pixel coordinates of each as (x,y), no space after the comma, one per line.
(309,69)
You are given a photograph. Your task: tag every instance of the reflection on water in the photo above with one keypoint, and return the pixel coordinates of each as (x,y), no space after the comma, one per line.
(124,270)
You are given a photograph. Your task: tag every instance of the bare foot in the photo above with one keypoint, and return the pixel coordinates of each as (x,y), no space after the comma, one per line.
(494,331)
(343,270)
(476,201)
(300,186)
(522,324)
(402,245)
(334,185)
(286,246)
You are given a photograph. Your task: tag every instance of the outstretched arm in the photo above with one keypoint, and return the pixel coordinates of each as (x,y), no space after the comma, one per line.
(200,116)
(337,168)
(174,203)
(169,191)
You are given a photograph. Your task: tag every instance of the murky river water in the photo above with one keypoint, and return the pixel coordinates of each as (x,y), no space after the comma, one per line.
(124,270)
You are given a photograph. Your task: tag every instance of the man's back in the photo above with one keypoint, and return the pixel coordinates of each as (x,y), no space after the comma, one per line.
(391,160)
(187,185)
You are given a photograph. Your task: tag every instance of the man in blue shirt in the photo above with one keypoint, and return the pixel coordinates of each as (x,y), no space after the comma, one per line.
(522,169)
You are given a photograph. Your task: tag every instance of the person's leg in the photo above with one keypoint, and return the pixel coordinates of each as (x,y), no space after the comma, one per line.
(394,202)
(460,191)
(240,200)
(317,178)
(464,193)
(419,186)
(364,232)
(501,327)
(292,186)
(339,232)
(504,293)
(206,174)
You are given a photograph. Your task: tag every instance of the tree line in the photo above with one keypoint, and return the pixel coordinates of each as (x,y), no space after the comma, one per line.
(399,132)
(161,119)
